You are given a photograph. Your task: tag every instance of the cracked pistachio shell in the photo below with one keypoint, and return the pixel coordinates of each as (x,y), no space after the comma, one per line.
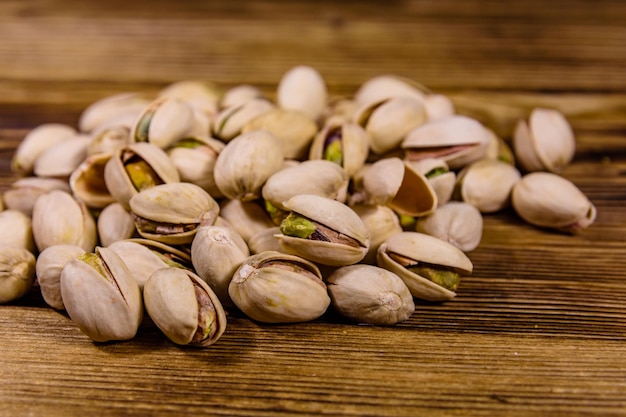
(549,200)
(246,163)
(36,142)
(458,223)
(273,287)
(216,253)
(239,95)
(87,181)
(184,307)
(388,122)
(101,296)
(58,218)
(60,160)
(302,88)
(109,140)
(25,191)
(265,240)
(441,179)
(544,142)
(418,248)
(17,230)
(395,183)
(230,121)
(295,130)
(111,109)
(172,213)
(163,122)
(247,217)
(381,222)
(136,167)
(114,223)
(340,237)
(17,273)
(369,294)
(177,256)
(195,158)
(387,86)
(50,263)
(458,140)
(342,142)
(487,184)
(438,106)
(319,177)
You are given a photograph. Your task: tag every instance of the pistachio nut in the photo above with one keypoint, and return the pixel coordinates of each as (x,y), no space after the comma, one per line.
(381,222)
(17,230)
(58,218)
(544,142)
(201,95)
(114,223)
(369,294)
(174,256)
(430,267)
(549,200)
(438,106)
(265,240)
(111,109)
(294,129)
(23,192)
(487,184)
(101,296)
(163,122)
(172,213)
(137,167)
(339,109)
(184,307)
(247,217)
(441,179)
(239,95)
(246,163)
(87,181)
(395,183)
(273,287)
(387,122)
(109,140)
(386,86)
(61,159)
(458,140)
(50,263)
(323,230)
(498,149)
(195,158)
(36,142)
(458,223)
(17,273)
(230,121)
(342,142)
(319,177)
(302,88)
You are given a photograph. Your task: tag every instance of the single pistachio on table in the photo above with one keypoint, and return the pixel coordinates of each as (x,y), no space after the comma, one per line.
(36,142)
(544,142)
(302,88)
(163,122)
(246,163)
(239,95)
(381,222)
(50,263)
(248,218)
(184,307)
(109,140)
(137,167)
(88,184)
(101,296)
(458,140)
(194,158)
(273,287)
(343,142)
(230,121)
(438,106)
(17,273)
(549,200)
(430,267)
(17,230)
(216,253)
(441,179)
(111,109)
(60,160)
(458,223)
(369,294)
(324,231)
(58,218)
(386,86)
(114,223)
(23,192)
(294,129)
(487,184)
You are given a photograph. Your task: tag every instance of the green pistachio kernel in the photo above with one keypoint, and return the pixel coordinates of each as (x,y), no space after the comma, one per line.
(189,143)
(444,277)
(407,222)
(435,172)
(141,175)
(277,215)
(142,132)
(94,261)
(297,226)
(333,152)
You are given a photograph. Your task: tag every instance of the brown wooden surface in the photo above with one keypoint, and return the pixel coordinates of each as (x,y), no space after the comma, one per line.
(538,329)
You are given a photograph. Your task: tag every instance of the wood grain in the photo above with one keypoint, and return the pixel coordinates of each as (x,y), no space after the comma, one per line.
(539,328)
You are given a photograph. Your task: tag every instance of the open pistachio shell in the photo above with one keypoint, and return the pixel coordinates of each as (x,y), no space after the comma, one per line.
(163,122)
(273,287)
(88,184)
(111,109)
(36,142)
(487,184)
(302,88)
(50,263)
(109,140)
(176,256)
(549,200)
(17,273)
(456,222)
(230,121)
(381,222)
(323,230)
(414,256)
(247,217)
(344,143)
(441,179)
(25,191)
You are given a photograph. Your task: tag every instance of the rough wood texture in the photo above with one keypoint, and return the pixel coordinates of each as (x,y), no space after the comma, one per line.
(538,329)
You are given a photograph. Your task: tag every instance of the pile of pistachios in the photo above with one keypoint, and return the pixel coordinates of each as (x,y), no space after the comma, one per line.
(199,202)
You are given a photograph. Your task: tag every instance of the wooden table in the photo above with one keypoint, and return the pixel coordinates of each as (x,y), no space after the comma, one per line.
(538,329)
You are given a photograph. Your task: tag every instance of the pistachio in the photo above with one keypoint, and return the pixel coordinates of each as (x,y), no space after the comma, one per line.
(369,294)
(17,230)
(88,184)
(239,95)
(163,122)
(273,287)
(500,150)
(201,95)
(17,273)
(456,222)
(101,296)
(230,121)
(265,240)
(302,88)
(115,223)
(195,158)
(247,218)
(439,176)
(36,142)
(61,159)
(50,263)
(111,109)
(381,222)
(487,184)
(25,191)
(184,307)
(342,142)
(387,86)
(438,106)
(174,256)
(109,140)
